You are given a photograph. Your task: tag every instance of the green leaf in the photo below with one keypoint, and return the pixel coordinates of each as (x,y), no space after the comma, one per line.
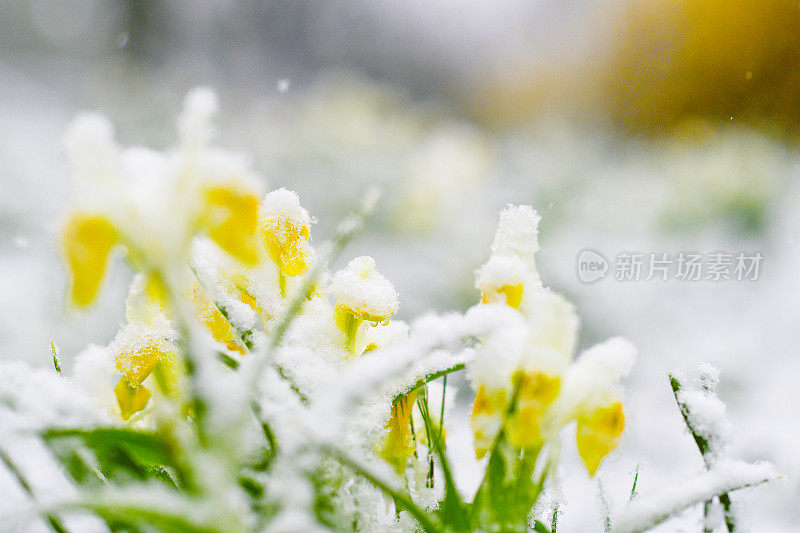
(56,357)
(508,492)
(635,481)
(134,516)
(703,446)
(146,446)
(120,453)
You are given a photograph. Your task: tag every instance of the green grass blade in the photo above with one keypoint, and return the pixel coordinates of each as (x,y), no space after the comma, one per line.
(56,357)
(453,510)
(430,377)
(703,446)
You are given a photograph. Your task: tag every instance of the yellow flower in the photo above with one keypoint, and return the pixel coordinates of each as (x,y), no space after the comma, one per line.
(284,228)
(146,301)
(209,315)
(87,242)
(487,418)
(503,279)
(231,218)
(362,294)
(137,362)
(537,391)
(399,444)
(138,350)
(130,399)
(154,203)
(523,426)
(598,434)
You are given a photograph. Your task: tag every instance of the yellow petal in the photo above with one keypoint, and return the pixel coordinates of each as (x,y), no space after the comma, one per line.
(130,399)
(231,221)
(156,290)
(211,317)
(166,374)
(487,418)
(537,391)
(137,362)
(349,323)
(598,434)
(286,243)
(399,444)
(87,241)
(511,295)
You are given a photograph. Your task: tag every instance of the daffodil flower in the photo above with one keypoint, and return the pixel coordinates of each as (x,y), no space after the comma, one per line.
(87,241)
(153,204)
(529,370)
(502,280)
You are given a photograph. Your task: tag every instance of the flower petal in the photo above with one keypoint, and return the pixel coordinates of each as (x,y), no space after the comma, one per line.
(130,399)
(231,220)
(87,241)
(599,434)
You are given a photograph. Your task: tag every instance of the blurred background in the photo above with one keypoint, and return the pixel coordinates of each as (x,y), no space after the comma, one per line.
(657,126)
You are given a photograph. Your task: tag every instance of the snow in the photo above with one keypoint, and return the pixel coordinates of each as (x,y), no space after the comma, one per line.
(674,325)
(361,289)
(645,511)
(595,376)
(282,216)
(194,124)
(501,270)
(371,372)
(92,151)
(518,233)
(32,400)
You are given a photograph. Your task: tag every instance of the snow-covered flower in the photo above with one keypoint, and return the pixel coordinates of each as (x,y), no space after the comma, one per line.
(284,227)
(510,273)
(592,395)
(152,203)
(321,400)
(362,294)
(211,317)
(398,444)
(147,343)
(527,386)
